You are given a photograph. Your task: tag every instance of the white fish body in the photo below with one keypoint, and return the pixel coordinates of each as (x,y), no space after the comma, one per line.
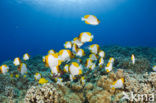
(16,62)
(4,69)
(26,56)
(86,37)
(23,69)
(90,19)
(154,68)
(118,84)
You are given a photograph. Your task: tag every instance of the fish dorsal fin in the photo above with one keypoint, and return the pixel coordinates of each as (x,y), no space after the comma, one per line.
(86,16)
(89,34)
(75,64)
(61,52)
(114,82)
(55,55)
(80,71)
(122,79)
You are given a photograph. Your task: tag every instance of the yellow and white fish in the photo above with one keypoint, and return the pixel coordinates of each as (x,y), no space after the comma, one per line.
(26,56)
(59,80)
(89,63)
(23,68)
(68,45)
(66,68)
(86,37)
(133,58)
(65,55)
(72,77)
(101,53)
(93,56)
(111,60)
(37,76)
(101,62)
(109,67)
(92,66)
(43,58)
(51,51)
(94,48)
(4,69)
(52,60)
(55,70)
(77,42)
(75,48)
(82,80)
(17,61)
(80,53)
(75,69)
(90,19)
(118,83)
(154,68)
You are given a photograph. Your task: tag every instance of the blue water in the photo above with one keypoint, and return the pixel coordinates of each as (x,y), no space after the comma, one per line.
(35,27)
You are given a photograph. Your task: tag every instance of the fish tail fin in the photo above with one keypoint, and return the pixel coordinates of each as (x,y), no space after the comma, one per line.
(83,19)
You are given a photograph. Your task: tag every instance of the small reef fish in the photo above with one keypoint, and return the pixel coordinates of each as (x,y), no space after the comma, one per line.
(37,76)
(66,68)
(101,62)
(86,37)
(118,83)
(80,53)
(89,63)
(75,69)
(43,59)
(26,56)
(94,48)
(17,61)
(25,76)
(11,75)
(133,58)
(68,45)
(111,60)
(75,48)
(93,56)
(77,42)
(52,60)
(82,80)
(101,53)
(17,76)
(72,77)
(42,81)
(154,68)
(59,80)
(51,51)
(65,55)
(92,66)
(55,70)
(109,67)
(90,19)
(23,68)
(4,69)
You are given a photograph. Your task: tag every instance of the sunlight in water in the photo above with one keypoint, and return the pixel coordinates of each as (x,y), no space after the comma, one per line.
(69,2)
(65,7)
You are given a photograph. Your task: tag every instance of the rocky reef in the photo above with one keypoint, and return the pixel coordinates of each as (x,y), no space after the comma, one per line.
(139,79)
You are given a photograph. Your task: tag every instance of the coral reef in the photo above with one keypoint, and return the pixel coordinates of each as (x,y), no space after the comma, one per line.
(141,66)
(142,83)
(96,89)
(51,93)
